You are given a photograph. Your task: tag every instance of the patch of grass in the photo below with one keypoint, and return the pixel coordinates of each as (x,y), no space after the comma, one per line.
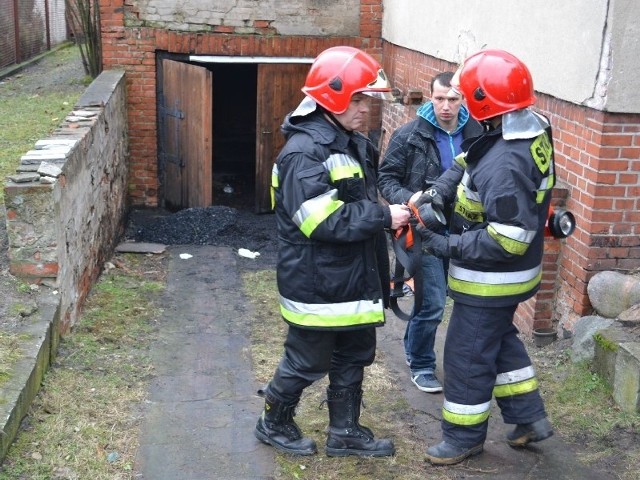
(28,115)
(581,407)
(9,353)
(84,422)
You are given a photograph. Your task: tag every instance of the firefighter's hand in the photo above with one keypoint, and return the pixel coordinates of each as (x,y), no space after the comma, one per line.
(437,244)
(400,215)
(431,196)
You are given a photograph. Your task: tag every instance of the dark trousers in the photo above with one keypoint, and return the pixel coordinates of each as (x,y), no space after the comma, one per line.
(482,342)
(309,355)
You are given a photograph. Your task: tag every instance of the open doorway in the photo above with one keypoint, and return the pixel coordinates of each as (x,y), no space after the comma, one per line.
(219,124)
(234,134)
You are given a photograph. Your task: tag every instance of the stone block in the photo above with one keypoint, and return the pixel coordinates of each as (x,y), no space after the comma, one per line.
(626,386)
(606,348)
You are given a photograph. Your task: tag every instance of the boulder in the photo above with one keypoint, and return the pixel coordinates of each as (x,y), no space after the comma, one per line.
(583,343)
(611,293)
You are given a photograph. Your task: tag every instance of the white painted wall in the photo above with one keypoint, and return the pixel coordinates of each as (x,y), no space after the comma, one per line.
(584,51)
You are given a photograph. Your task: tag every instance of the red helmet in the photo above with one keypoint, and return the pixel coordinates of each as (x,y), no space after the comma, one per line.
(339,72)
(494,82)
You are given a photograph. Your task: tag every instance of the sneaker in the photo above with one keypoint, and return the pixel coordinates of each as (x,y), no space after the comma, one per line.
(427,382)
(406,290)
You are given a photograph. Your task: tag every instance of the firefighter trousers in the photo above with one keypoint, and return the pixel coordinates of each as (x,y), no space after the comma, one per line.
(309,355)
(483,356)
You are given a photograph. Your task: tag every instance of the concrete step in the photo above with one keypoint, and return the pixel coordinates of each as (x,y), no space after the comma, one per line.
(617,360)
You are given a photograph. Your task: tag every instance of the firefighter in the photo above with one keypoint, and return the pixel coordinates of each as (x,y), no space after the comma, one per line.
(502,190)
(333,266)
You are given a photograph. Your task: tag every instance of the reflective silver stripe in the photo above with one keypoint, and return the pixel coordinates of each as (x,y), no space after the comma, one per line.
(470,194)
(544,184)
(466,409)
(314,205)
(493,278)
(513,232)
(515,376)
(332,309)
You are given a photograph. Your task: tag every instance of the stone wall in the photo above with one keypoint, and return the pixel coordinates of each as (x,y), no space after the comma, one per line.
(66,204)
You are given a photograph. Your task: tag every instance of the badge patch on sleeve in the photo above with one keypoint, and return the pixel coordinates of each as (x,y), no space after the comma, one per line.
(541,151)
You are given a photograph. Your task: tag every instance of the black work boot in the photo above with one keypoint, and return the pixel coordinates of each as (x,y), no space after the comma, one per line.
(530,432)
(276,427)
(346,436)
(446,454)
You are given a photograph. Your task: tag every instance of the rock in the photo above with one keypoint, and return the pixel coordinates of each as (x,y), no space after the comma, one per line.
(49,169)
(631,316)
(583,343)
(611,293)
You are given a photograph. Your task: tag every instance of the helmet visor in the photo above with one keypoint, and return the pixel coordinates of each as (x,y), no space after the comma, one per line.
(379,87)
(455,81)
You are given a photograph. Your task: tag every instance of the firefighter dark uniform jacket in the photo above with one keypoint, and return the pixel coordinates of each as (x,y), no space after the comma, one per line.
(332,249)
(497,227)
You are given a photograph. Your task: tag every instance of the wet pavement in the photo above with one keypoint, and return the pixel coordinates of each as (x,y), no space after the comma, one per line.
(202,404)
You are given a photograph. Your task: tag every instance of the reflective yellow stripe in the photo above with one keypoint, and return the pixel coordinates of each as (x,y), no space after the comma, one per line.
(468,208)
(361,312)
(461,159)
(312,212)
(515,382)
(513,239)
(275,183)
(465,415)
(493,284)
(340,165)
(519,388)
(546,184)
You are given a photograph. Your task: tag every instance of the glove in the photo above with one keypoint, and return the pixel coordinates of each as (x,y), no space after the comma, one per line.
(439,245)
(434,242)
(433,197)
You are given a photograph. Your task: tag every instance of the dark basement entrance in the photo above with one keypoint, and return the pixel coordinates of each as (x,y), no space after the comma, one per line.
(219,128)
(234,133)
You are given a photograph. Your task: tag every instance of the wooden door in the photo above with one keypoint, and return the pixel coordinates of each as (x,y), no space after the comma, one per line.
(185,126)
(278,94)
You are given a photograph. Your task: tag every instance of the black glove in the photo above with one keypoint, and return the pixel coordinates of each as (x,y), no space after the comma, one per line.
(432,196)
(439,245)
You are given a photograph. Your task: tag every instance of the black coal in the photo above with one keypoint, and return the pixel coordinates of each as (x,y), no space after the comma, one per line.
(215,225)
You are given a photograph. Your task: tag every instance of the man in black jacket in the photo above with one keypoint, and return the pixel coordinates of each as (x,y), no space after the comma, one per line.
(417,154)
(333,266)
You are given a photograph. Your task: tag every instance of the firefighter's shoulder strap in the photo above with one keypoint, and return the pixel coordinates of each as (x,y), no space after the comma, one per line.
(407,247)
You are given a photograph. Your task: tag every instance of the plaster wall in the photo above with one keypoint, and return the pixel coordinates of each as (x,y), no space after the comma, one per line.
(581,51)
(284,17)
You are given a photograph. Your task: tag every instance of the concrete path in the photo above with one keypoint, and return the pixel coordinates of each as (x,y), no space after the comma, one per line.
(202,406)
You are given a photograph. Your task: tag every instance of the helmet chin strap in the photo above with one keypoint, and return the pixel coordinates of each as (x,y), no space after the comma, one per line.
(329,116)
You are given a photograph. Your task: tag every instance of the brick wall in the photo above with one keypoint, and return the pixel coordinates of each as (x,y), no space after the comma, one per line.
(598,170)
(130,45)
